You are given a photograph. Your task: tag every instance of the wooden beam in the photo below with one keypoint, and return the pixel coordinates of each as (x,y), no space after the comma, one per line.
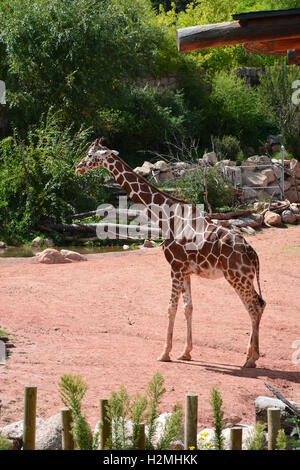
(228,34)
(277,47)
(293,57)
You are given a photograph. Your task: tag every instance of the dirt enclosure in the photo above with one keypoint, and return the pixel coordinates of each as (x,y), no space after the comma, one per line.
(106,319)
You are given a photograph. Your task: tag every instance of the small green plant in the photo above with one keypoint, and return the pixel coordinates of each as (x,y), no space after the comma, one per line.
(120,409)
(256,439)
(72,391)
(5,444)
(294,438)
(218,414)
(281,440)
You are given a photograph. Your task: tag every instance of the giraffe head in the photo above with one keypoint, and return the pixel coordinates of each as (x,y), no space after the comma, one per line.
(95,157)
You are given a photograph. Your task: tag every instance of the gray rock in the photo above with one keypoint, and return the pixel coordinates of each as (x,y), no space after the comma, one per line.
(2,245)
(73,255)
(48,436)
(270,174)
(295,167)
(161,165)
(251,178)
(210,158)
(205,437)
(261,406)
(273,219)
(36,242)
(292,195)
(295,208)
(249,194)
(14,432)
(51,256)
(288,217)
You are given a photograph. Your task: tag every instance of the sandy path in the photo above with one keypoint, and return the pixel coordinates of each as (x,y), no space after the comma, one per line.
(106,319)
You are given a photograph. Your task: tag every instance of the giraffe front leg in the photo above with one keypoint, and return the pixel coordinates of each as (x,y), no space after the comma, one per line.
(188,312)
(176,290)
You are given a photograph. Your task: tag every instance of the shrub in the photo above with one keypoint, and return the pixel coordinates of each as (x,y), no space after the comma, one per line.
(52,190)
(256,439)
(276,92)
(218,414)
(281,440)
(5,444)
(228,147)
(191,188)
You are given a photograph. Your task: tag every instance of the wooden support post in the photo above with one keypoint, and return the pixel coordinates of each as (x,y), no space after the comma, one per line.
(141,445)
(191,419)
(67,435)
(29,418)
(273,427)
(105,427)
(236,438)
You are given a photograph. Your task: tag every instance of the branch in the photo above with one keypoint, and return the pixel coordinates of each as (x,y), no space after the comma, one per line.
(284,400)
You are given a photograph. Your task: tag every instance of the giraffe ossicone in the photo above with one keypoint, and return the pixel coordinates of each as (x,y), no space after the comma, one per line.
(193,244)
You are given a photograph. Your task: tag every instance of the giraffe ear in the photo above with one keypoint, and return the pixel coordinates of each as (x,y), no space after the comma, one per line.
(100,141)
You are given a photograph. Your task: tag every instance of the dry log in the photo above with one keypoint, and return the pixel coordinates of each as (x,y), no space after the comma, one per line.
(231,215)
(278,395)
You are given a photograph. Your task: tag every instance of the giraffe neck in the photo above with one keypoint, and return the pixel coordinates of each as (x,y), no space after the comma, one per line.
(137,188)
(161,207)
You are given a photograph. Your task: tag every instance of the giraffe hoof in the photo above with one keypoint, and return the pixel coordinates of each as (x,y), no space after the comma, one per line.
(164,358)
(185,357)
(249,364)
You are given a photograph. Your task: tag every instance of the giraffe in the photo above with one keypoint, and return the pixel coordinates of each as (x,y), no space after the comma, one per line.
(220,251)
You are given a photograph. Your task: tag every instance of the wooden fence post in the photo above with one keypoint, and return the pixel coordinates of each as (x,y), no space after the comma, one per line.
(141,445)
(104,425)
(273,427)
(66,424)
(236,438)
(191,419)
(29,425)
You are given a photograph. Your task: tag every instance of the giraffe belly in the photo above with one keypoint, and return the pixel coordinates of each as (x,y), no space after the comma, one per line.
(213,274)
(208,273)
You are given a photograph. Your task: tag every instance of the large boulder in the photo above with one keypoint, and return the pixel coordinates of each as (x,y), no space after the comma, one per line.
(270,174)
(205,438)
(288,217)
(254,179)
(48,433)
(260,160)
(295,167)
(273,219)
(2,245)
(51,256)
(210,158)
(144,170)
(249,194)
(36,242)
(292,195)
(161,165)
(261,406)
(295,208)
(73,255)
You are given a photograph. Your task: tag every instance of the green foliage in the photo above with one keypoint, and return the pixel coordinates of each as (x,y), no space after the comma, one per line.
(172,429)
(281,440)
(294,438)
(5,444)
(155,393)
(228,147)
(276,92)
(138,409)
(218,414)
(256,439)
(238,110)
(54,190)
(191,188)
(118,412)
(72,391)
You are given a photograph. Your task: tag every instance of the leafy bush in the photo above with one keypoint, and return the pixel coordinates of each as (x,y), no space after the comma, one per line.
(53,190)
(228,147)
(239,111)
(281,440)
(276,92)
(191,188)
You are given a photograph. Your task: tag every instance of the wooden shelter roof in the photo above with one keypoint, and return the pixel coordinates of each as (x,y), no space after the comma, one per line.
(266,32)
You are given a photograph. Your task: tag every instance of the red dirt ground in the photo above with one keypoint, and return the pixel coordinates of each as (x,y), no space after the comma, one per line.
(106,320)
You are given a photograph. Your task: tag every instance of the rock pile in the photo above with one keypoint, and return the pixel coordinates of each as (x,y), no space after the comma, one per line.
(258,176)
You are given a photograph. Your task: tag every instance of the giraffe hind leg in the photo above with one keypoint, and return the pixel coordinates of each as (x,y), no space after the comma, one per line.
(188,312)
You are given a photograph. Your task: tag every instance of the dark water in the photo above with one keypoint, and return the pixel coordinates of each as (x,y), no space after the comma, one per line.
(28,252)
